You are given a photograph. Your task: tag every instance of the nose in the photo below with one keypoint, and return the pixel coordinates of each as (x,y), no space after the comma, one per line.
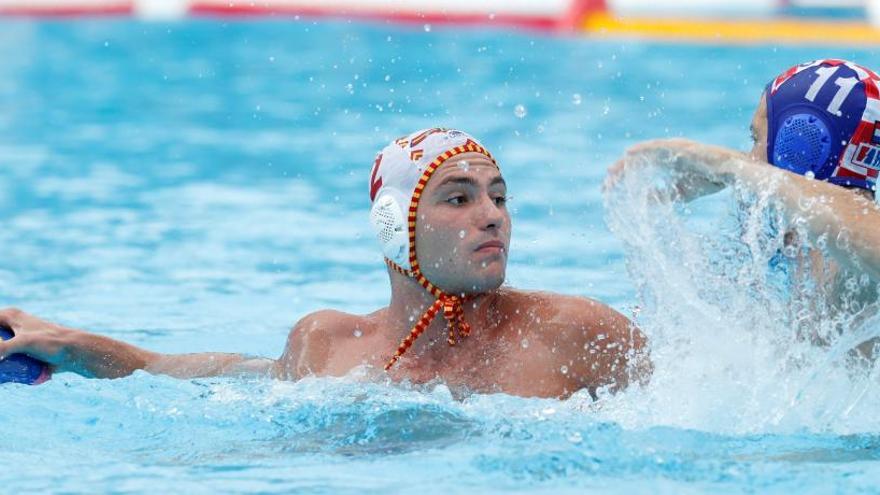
(490,216)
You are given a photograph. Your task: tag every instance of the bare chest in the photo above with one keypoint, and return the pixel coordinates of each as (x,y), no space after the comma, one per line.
(529,371)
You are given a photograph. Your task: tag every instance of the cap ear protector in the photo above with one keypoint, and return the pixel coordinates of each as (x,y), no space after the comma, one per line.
(389,224)
(803,145)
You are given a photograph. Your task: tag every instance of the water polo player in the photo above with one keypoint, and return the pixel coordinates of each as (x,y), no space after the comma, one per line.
(438,207)
(816,135)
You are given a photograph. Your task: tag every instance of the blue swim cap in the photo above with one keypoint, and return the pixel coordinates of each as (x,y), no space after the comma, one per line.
(823,118)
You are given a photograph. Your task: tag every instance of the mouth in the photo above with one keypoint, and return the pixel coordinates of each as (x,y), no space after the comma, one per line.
(492,247)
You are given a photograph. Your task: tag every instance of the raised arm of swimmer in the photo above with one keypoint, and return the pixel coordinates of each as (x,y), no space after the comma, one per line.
(834,211)
(813,145)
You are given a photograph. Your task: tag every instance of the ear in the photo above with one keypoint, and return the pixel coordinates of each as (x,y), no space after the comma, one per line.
(389,221)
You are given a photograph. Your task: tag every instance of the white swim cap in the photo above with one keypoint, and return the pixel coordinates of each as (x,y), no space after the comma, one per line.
(400,173)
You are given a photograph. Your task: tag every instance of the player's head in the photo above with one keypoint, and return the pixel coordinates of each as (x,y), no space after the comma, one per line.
(438,209)
(822,119)
(437,197)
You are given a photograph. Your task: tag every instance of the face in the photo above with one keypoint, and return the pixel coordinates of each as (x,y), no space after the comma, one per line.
(463,226)
(759,131)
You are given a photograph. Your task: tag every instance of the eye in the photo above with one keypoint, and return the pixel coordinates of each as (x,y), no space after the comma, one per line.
(457,199)
(500,200)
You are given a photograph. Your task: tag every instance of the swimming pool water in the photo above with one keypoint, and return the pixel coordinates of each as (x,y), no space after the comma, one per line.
(201,185)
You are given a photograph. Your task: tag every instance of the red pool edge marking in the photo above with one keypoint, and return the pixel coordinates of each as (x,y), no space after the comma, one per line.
(567,21)
(538,22)
(118,9)
(578,10)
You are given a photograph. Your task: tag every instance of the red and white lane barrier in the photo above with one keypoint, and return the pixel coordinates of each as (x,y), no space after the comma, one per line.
(540,14)
(66,8)
(543,14)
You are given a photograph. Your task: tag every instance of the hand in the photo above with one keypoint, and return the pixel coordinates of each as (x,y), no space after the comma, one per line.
(700,169)
(37,338)
(658,151)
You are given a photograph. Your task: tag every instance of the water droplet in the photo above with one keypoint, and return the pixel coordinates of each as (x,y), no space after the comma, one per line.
(461,234)
(464,165)
(358,333)
(520,111)
(524,343)
(810,175)
(427,28)
(576,99)
(563,369)
(575,437)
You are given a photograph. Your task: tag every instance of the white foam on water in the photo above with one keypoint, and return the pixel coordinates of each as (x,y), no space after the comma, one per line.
(738,347)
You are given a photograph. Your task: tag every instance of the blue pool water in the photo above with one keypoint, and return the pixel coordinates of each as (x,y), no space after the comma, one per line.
(201,185)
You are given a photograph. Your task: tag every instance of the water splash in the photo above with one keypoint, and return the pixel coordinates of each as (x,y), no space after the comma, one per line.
(752,330)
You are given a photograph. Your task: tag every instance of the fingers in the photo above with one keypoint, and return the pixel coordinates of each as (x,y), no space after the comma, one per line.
(10,316)
(9,347)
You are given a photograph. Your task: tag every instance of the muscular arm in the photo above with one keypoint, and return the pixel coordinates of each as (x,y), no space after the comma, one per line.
(96,356)
(851,220)
(839,212)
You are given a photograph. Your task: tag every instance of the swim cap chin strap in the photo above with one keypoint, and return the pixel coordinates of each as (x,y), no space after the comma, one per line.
(449,304)
(453,312)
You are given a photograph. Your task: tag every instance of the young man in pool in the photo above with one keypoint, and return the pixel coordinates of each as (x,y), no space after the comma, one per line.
(449,318)
(816,135)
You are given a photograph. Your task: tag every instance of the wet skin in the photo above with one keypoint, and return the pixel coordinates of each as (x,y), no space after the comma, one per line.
(837,211)
(523,343)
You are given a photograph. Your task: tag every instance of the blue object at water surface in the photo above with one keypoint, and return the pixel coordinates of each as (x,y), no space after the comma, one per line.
(19,368)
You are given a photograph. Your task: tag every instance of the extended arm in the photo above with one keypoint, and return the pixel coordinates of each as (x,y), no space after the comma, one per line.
(96,356)
(833,210)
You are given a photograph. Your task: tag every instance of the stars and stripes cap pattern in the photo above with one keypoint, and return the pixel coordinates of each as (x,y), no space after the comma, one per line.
(403,169)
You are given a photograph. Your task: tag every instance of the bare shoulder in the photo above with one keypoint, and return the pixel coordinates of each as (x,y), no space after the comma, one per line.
(598,344)
(565,313)
(313,338)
